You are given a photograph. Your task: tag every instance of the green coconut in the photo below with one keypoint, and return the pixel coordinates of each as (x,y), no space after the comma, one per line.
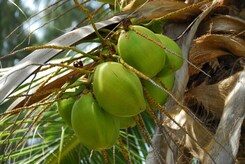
(173,62)
(118,90)
(126,122)
(141,52)
(159,95)
(65,107)
(95,128)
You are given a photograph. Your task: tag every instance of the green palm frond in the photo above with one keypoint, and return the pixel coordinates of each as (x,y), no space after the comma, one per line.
(43,143)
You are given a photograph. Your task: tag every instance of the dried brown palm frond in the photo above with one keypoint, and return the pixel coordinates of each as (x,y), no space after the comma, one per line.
(209,47)
(214,134)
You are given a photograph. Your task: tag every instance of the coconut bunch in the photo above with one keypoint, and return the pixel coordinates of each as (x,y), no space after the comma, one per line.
(114,94)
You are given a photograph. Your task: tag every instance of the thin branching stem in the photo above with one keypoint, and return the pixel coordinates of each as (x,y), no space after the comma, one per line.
(31,48)
(123,150)
(128,147)
(141,125)
(90,18)
(50,6)
(84,71)
(46,23)
(33,123)
(151,112)
(14,127)
(49,78)
(105,155)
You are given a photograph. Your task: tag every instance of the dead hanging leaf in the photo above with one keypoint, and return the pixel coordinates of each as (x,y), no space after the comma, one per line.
(153,9)
(242,15)
(197,131)
(209,47)
(216,92)
(229,130)
(223,24)
(220,92)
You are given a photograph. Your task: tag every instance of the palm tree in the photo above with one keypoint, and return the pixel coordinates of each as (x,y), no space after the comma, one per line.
(202,120)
